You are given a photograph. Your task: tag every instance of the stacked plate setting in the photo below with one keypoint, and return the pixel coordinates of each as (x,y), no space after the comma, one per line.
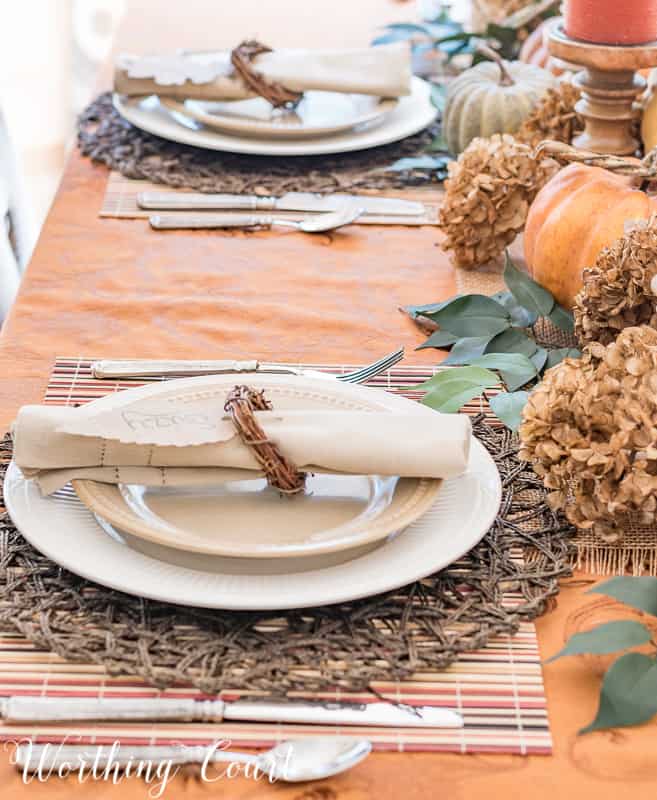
(322,123)
(242,546)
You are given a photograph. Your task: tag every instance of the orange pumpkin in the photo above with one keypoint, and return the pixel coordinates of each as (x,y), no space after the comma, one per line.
(580,211)
(534,51)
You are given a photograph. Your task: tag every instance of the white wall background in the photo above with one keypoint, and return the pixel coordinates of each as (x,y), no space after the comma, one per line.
(49,55)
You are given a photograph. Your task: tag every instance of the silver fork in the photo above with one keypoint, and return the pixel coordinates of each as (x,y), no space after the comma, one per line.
(317,223)
(179,369)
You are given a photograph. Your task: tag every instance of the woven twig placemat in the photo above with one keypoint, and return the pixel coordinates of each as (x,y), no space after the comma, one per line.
(392,636)
(106,137)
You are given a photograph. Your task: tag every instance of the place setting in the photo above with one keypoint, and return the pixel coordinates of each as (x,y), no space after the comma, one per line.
(292,493)
(254,109)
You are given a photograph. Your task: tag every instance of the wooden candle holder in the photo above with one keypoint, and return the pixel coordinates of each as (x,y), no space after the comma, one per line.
(610,85)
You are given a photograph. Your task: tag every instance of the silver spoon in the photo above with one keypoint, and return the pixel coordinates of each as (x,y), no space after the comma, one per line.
(318,223)
(294,761)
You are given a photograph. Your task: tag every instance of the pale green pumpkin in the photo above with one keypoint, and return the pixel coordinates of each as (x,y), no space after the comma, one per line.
(492,98)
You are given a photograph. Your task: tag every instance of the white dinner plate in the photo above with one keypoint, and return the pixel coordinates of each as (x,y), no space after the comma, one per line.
(318,114)
(413,113)
(65,531)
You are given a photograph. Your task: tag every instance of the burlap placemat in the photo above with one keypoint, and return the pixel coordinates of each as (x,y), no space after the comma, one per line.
(106,137)
(424,626)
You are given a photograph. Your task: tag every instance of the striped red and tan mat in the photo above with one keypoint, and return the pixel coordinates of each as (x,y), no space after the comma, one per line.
(498,689)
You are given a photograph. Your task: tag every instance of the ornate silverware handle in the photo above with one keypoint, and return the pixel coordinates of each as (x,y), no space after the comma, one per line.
(148,368)
(79,709)
(204,220)
(188,201)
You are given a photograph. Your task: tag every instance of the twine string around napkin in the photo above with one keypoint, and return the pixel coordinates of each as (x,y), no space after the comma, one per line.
(275,93)
(280,472)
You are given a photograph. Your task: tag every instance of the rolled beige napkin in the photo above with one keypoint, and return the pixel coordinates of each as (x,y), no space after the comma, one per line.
(383,71)
(180,447)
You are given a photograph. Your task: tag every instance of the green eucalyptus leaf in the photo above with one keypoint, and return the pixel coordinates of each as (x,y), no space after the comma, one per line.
(409,27)
(629,693)
(606,638)
(507,38)
(513,341)
(527,292)
(472,315)
(428,309)
(508,406)
(539,358)
(439,339)
(451,388)
(439,144)
(466,350)
(438,98)
(556,356)
(562,318)
(515,368)
(422,163)
(520,316)
(391,36)
(639,592)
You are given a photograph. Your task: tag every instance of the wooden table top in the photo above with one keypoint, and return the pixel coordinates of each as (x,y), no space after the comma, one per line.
(108,287)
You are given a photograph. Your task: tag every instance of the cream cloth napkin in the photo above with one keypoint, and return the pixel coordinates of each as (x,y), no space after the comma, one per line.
(55,445)
(383,71)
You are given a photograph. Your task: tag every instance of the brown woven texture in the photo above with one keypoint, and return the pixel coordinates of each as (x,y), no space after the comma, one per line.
(391,636)
(106,137)
(241,405)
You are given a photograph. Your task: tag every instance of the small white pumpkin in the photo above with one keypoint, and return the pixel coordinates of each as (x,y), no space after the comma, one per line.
(492,97)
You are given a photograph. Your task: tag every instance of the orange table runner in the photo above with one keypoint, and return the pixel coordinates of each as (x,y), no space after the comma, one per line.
(115,288)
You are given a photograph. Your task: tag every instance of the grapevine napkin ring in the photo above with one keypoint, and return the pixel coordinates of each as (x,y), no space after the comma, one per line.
(280,472)
(242,60)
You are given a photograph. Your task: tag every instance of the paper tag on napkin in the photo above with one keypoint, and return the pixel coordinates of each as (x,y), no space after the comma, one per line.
(161,422)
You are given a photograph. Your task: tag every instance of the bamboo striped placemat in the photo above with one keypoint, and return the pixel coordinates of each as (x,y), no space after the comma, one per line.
(498,689)
(120,200)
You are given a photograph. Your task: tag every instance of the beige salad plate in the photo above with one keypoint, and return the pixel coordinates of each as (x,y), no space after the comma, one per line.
(245,518)
(318,114)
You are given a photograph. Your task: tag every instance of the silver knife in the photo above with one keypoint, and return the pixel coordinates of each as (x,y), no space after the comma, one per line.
(180,368)
(292,201)
(20,709)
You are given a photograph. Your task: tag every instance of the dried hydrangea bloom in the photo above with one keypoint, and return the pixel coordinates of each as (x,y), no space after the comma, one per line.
(590,430)
(617,291)
(554,117)
(487,197)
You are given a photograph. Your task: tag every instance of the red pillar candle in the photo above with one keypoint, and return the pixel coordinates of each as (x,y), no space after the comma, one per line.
(612,21)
